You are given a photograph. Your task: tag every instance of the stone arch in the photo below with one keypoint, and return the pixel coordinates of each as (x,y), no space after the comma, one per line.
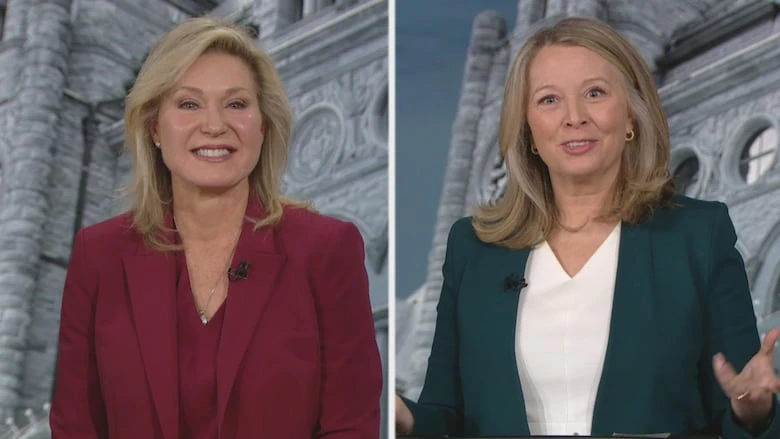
(681,155)
(747,131)
(766,286)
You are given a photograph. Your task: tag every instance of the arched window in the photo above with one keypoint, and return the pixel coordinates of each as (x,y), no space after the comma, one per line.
(687,170)
(686,175)
(752,151)
(758,155)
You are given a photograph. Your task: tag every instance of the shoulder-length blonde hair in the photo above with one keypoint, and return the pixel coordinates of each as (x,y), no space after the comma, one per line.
(526,213)
(149,188)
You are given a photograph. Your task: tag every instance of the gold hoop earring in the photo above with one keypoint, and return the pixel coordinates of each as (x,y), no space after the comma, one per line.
(630,136)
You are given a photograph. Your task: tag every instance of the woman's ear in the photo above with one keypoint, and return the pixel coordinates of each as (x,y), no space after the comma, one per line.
(154,132)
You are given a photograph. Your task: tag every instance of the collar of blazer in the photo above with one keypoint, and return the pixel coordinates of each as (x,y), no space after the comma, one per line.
(614,406)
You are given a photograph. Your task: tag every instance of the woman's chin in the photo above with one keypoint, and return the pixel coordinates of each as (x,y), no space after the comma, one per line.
(215,186)
(584,174)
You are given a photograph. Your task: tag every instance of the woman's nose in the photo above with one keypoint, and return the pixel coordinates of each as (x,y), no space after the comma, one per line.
(576,114)
(214,122)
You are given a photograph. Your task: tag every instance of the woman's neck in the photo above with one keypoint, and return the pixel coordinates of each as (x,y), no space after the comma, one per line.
(208,216)
(577,205)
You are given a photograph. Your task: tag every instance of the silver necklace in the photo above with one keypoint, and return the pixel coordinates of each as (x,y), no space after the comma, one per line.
(202,311)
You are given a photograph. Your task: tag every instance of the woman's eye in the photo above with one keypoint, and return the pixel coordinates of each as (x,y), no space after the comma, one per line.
(237,104)
(547,100)
(188,105)
(595,93)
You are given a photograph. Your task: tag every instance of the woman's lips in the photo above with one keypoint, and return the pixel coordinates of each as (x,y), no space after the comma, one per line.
(577,147)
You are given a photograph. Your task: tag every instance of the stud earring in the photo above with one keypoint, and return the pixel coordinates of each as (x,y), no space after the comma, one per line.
(630,136)
(157,144)
(534,149)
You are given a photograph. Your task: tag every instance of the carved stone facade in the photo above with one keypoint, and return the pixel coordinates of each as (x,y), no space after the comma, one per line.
(65,68)
(718,69)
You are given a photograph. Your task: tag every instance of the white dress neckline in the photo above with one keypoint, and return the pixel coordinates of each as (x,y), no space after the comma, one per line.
(561,336)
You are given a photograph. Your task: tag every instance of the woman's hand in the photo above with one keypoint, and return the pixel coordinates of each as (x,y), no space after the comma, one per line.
(404,421)
(752,390)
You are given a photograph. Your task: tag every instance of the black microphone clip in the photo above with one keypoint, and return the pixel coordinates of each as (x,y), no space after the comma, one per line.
(239,273)
(512,283)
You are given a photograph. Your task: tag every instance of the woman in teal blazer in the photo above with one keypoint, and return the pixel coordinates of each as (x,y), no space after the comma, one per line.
(587,148)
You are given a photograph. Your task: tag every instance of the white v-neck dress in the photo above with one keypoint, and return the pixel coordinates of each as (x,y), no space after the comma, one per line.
(561,337)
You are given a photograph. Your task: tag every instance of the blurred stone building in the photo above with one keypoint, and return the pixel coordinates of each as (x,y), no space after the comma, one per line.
(717,64)
(65,68)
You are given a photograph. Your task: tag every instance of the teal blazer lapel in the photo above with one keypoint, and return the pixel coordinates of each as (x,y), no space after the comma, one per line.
(625,376)
(488,317)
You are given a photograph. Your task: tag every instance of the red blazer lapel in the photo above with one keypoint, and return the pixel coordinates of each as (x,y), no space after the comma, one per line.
(246,301)
(151,284)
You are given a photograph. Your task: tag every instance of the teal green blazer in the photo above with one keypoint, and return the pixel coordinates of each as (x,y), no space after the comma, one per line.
(681,295)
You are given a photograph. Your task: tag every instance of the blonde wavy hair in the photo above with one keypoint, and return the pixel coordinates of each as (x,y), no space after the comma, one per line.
(149,189)
(525,215)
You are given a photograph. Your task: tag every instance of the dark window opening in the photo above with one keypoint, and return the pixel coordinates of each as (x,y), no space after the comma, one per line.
(686,175)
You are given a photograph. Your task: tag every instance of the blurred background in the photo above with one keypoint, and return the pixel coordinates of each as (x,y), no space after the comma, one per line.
(65,68)
(717,64)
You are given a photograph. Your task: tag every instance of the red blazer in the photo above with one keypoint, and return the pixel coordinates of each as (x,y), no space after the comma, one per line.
(297,359)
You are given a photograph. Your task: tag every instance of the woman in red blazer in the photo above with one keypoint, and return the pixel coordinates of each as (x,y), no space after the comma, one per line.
(214,308)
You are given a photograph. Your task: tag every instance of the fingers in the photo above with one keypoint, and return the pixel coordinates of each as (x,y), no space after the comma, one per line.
(404,420)
(399,402)
(768,346)
(725,374)
(775,386)
(769,380)
(758,378)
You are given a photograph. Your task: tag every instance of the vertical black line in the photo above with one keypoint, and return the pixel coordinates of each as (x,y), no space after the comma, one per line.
(2,21)
(86,159)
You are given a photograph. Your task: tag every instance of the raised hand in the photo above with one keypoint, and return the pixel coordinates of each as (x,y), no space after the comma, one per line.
(752,390)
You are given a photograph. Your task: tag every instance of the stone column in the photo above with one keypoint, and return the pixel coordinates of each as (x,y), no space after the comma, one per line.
(309,7)
(488,32)
(555,7)
(642,25)
(529,12)
(587,8)
(489,29)
(577,8)
(45,25)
